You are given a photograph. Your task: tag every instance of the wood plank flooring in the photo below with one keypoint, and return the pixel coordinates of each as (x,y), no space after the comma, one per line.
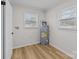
(38,52)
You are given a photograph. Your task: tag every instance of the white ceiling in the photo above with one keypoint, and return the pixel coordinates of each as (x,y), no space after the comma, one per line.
(40,4)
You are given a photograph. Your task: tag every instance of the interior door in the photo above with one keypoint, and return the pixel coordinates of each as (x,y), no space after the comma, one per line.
(7,30)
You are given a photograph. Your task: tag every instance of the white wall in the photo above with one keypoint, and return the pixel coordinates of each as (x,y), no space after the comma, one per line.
(25,36)
(65,40)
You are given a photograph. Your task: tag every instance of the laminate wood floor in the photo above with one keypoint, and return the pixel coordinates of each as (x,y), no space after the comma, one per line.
(38,52)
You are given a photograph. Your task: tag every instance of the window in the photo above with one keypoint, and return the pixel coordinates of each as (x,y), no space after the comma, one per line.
(30,20)
(68,18)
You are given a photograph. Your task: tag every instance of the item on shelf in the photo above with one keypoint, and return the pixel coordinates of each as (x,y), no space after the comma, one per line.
(44,34)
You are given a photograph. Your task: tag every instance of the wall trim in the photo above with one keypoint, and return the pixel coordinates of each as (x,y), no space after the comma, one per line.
(72,56)
(27,44)
(11,54)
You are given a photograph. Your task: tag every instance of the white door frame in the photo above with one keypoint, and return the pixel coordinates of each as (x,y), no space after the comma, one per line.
(2,29)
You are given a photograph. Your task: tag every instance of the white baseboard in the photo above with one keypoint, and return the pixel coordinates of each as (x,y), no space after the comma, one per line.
(27,44)
(61,50)
(75,55)
(11,54)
